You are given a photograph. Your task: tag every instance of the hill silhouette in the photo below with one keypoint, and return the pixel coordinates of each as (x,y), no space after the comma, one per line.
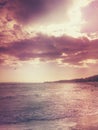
(92,78)
(88,79)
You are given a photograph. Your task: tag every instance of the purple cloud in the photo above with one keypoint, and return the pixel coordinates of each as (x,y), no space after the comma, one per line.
(26,10)
(48,48)
(3,3)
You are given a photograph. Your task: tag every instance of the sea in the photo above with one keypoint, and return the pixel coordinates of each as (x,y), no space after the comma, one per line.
(49,106)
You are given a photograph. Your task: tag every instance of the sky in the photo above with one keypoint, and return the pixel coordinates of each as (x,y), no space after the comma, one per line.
(48,40)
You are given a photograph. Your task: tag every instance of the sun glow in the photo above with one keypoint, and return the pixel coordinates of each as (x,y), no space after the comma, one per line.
(70,27)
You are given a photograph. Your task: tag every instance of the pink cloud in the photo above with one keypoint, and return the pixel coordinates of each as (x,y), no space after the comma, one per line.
(51,48)
(90,14)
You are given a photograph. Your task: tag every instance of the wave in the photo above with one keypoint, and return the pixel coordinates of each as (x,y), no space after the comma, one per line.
(16,119)
(38,112)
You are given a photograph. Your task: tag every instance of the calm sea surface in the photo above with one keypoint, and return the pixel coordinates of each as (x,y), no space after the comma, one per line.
(49,106)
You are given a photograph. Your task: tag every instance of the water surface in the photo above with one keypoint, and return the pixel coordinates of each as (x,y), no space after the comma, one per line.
(49,106)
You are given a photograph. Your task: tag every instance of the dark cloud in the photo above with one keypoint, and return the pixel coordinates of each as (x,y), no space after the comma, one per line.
(3,3)
(38,47)
(25,11)
(69,50)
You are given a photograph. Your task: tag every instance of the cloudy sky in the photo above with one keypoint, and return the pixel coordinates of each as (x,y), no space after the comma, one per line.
(47,40)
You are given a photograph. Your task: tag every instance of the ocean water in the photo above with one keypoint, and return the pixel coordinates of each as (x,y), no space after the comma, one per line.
(49,106)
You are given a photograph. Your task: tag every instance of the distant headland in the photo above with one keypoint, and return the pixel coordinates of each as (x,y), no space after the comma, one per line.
(88,79)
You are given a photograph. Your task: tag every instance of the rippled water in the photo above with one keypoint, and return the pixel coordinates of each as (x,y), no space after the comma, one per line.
(49,106)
